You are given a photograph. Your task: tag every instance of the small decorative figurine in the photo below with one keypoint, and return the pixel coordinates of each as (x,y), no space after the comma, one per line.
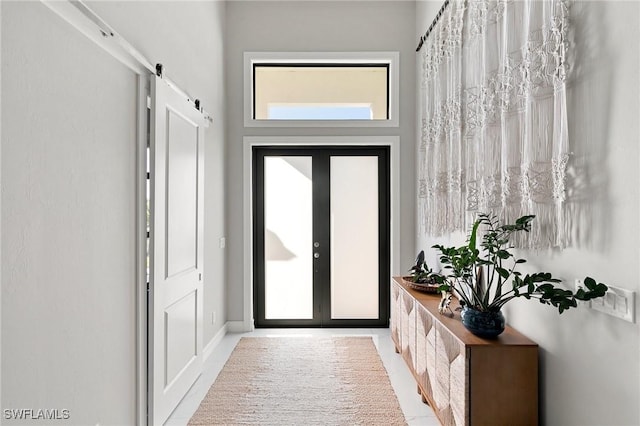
(443,306)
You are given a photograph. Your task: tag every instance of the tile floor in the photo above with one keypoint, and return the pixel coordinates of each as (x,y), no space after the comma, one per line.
(416,413)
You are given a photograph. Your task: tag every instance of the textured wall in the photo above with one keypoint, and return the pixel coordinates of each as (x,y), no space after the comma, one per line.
(590,362)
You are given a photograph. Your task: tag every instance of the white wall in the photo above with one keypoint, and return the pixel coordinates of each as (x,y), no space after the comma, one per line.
(68,214)
(0,209)
(188,39)
(322,26)
(590,362)
(68,201)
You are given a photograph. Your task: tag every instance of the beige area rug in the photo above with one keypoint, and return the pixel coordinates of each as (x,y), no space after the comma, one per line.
(301,381)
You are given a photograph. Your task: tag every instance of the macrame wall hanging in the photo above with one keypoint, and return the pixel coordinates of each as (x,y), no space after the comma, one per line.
(494,117)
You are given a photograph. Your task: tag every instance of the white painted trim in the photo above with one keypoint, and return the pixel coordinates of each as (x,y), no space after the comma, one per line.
(250,141)
(141,252)
(211,346)
(247,314)
(1,211)
(235,326)
(391,58)
(228,327)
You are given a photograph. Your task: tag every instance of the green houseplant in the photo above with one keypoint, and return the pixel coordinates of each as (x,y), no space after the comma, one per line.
(483,275)
(421,273)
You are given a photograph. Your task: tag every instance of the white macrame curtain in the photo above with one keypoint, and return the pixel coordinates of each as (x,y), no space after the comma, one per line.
(494,117)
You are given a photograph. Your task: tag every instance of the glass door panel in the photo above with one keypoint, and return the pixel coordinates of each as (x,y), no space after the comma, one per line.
(321,236)
(288,233)
(354,237)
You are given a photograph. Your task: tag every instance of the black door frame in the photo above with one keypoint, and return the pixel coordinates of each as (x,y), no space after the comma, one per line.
(321,209)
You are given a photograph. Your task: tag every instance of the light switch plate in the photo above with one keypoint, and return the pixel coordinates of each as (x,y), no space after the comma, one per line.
(618,302)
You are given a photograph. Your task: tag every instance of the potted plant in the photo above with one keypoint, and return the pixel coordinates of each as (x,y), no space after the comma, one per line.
(485,278)
(420,273)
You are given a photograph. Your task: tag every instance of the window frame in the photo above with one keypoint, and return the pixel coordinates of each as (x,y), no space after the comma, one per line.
(389,59)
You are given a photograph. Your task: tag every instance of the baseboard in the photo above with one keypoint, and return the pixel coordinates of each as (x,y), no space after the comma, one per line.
(208,350)
(228,327)
(235,326)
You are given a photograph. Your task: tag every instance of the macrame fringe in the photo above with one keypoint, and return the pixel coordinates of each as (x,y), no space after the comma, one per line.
(494,121)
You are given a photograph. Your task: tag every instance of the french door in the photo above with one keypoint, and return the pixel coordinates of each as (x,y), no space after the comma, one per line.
(321,236)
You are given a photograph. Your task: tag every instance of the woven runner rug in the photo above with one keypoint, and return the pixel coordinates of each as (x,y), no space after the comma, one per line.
(301,381)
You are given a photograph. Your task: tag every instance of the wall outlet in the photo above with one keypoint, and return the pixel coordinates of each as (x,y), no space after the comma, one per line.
(223,242)
(213,318)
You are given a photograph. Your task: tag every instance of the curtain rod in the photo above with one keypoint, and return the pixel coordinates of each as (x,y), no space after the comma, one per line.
(433,24)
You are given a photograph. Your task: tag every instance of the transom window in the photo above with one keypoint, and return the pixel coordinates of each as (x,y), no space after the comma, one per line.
(321,92)
(321,89)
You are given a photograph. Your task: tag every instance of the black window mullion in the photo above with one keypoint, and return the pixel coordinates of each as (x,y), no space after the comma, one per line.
(321,234)
(258,236)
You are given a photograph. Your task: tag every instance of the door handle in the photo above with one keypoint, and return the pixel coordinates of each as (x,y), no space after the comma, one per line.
(316,255)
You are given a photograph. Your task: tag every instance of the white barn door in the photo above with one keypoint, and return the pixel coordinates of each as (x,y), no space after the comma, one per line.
(176,249)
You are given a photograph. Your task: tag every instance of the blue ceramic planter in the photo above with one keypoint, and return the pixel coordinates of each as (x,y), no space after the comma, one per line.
(488,325)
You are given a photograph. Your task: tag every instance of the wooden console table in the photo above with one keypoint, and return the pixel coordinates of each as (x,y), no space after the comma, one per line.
(465,379)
